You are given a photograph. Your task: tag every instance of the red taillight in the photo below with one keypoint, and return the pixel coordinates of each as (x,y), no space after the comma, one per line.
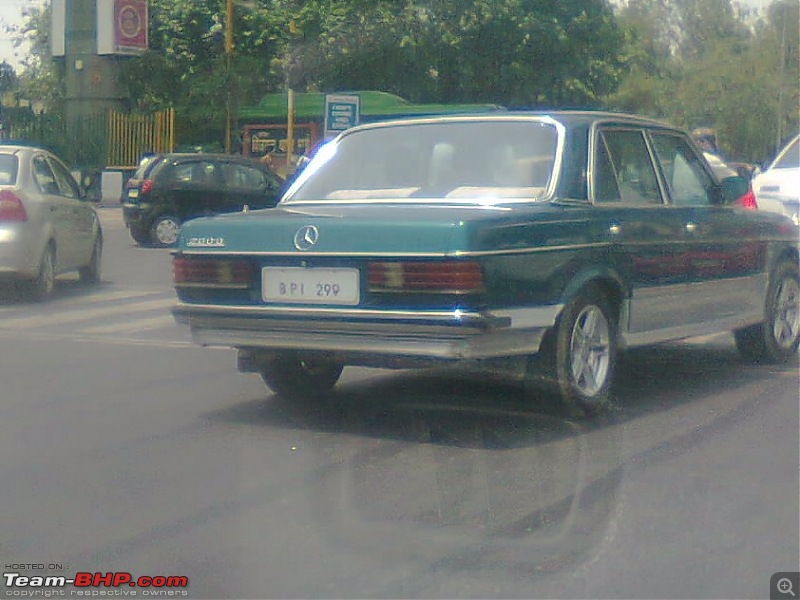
(211,272)
(748,201)
(147,185)
(456,277)
(11,207)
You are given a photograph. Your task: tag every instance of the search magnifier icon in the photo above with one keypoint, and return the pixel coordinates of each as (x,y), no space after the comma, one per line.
(784,586)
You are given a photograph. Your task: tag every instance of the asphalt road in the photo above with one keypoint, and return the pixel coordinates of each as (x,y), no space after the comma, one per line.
(127,449)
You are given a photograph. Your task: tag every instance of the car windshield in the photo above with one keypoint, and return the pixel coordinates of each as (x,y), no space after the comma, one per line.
(8,169)
(790,157)
(463,161)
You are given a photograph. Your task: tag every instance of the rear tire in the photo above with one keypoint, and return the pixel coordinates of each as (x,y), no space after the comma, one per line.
(580,353)
(42,287)
(165,231)
(776,339)
(293,376)
(90,274)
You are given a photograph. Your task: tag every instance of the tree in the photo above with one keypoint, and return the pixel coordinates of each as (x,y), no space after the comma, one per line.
(510,52)
(706,63)
(8,78)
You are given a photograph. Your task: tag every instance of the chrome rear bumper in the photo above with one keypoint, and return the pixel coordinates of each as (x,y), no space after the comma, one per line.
(358,334)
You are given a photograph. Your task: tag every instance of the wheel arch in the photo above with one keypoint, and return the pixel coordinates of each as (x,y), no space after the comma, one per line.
(607,280)
(49,241)
(789,254)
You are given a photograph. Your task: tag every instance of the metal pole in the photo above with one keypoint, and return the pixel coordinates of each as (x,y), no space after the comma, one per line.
(781,77)
(228,57)
(290,133)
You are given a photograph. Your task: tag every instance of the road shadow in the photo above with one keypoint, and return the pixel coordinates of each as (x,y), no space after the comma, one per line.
(13,293)
(470,473)
(492,410)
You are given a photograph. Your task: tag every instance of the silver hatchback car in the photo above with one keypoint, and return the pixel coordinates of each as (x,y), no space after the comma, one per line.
(47,225)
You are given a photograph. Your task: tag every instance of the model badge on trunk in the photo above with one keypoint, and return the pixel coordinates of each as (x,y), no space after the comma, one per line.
(206,242)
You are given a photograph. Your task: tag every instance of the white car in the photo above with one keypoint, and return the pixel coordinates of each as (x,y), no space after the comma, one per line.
(778,187)
(47,224)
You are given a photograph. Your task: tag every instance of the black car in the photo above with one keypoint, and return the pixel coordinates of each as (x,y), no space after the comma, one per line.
(167,190)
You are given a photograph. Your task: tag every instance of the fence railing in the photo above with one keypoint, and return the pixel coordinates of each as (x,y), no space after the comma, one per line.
(98,141)
(130,136)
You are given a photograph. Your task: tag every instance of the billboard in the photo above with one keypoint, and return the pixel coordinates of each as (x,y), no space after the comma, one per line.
(341,112)
(122,26)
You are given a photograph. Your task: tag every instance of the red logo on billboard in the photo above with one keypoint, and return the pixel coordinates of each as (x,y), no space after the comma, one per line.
(130,25)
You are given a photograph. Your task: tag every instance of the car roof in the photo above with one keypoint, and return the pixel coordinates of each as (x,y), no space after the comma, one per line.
(181,156)
(570,119)
(15,148)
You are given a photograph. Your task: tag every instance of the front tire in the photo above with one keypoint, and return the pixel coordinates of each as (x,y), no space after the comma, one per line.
(165,231)
(776,339)
(294,376)
(584,352)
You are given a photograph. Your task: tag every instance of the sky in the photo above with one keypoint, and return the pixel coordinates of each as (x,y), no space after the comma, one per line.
(11,15)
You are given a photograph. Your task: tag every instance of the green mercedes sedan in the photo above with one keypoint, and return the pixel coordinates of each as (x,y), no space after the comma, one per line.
(540,242)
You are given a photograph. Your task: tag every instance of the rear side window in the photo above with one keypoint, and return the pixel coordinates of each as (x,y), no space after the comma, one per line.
(246,178)
(8,169)
(687,181)
(200,173)
(624,170)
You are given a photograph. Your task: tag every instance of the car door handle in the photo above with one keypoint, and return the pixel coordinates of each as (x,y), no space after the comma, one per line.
(691,227)
(615,229)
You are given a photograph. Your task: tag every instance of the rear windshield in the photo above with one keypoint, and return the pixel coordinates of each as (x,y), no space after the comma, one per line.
(146,166)
(8,169)
(458,160)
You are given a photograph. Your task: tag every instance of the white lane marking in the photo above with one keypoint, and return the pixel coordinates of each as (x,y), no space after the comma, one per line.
(84,315)
(31,336)
(131,326)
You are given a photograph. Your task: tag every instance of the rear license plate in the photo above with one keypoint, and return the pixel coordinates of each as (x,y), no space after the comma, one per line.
(133,193)
(310,285)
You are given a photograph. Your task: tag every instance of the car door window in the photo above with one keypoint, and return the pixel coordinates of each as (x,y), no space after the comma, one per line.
(204,173)
(687,181)
(244,178)
(198,173)
(625,169)
(44,176)
(605,185)
(66,183)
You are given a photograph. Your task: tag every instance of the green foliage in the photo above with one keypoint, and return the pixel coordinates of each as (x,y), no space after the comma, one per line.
(705,63)
(510,52)
(692,62)
(8,78)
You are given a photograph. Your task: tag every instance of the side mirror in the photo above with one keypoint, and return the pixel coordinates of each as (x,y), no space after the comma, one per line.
(90,187)
(733,188)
